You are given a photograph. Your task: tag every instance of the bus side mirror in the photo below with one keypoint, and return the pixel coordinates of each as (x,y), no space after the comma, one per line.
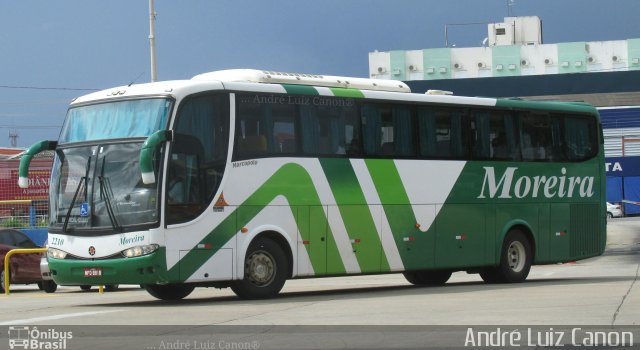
(23,171)
(146,154)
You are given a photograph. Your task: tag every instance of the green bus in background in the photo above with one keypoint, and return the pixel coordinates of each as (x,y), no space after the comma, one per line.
(246,178)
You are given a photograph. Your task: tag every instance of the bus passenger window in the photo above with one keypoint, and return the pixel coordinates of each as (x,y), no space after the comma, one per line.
(329,128)
(371,129)
(536,137)
(284,135)
(265,127)
(580,138)
(496,136)
(437,135)
(388,130)
(480,144)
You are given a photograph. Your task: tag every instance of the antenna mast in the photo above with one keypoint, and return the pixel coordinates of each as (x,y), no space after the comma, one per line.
(510,4)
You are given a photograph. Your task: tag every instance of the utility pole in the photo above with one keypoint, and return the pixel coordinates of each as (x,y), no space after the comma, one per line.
(152,40)
(13,137)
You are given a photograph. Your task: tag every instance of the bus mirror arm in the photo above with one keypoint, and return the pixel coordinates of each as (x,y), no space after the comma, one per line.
(23,179)
(149,146)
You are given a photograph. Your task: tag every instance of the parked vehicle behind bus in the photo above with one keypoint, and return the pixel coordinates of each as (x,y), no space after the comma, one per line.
(23,268)
(613,211)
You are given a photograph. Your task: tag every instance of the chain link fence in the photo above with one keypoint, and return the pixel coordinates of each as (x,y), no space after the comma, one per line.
(24,207)
(24,213)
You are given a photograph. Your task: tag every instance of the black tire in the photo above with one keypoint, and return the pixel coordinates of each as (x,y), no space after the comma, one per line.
(2,280)
(516,257)
(85,288)
(111,287)
(609,215)
(266,268)
(49,286)
(491,275)
(40,285)
(169,292)
(428,278)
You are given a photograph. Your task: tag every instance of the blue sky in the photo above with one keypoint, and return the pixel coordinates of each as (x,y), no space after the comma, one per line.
(94,44)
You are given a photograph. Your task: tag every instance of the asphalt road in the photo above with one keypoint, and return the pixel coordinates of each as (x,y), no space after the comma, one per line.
(602,291)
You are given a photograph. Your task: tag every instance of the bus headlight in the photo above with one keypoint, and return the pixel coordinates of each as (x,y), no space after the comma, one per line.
(140,250)
(56,253)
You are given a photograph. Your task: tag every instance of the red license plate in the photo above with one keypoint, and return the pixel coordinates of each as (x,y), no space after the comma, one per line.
(92,272)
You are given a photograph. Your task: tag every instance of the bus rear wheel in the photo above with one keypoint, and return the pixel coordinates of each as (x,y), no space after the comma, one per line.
(515,260)
(265,271)
(428,278)
(169,292)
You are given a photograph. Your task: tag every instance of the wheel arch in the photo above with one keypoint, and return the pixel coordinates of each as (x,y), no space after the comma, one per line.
(521,226)
(274,234)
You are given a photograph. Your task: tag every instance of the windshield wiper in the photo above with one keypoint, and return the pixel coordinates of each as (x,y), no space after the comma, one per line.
(105,194)
(83,180)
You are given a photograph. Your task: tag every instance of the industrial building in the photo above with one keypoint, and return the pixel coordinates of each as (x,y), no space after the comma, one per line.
(514,62)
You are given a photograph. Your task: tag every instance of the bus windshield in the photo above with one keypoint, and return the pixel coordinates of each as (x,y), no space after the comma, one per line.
(99,188)
(112,120)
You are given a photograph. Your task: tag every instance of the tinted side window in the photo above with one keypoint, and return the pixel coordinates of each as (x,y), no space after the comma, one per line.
(266,125)
(540,137)
(580,134)
(330,130)
(388,130)
(495,136)
(6,238)
(23,241)
(269,125)
(443,132)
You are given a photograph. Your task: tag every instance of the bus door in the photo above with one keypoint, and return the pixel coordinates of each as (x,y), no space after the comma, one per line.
(195,167)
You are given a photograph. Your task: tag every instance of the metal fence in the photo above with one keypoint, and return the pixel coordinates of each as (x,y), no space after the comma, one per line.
(25,208)
(24,213)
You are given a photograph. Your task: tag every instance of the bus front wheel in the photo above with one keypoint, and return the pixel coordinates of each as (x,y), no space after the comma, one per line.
(428,278)
(49,286)
(265,271)
(515,260)
(169,291)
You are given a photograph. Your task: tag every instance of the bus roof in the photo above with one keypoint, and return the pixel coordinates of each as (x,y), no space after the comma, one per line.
(271,77)
(251,80)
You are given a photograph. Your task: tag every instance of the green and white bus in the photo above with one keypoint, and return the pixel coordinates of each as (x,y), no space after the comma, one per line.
(247,178)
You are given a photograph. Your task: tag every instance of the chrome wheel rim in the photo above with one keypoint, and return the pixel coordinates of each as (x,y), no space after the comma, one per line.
(516,256)
(260,268)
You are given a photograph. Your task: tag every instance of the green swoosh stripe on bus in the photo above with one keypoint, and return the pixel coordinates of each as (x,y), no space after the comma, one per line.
(400,215)
(355,213)
(291,181)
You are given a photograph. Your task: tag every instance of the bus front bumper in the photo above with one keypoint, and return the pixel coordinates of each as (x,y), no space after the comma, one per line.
(147,269)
